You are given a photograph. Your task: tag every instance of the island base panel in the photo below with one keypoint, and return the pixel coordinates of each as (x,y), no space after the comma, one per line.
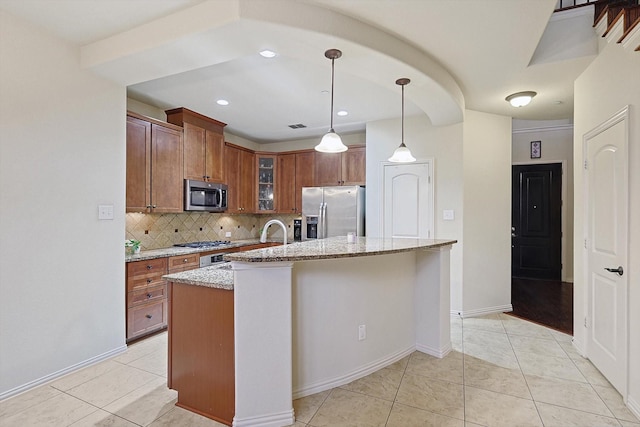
(201,350)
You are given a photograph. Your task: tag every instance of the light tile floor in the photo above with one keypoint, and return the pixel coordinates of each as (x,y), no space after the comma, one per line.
(503,372)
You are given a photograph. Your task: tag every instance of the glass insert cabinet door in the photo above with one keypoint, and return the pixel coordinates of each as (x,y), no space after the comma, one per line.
(266,175)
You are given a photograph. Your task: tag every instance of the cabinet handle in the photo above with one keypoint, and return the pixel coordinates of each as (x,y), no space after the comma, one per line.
(149,206)
(185,260)
(149,280)
(154,206)
(149,267)
(149,295)
(148,316)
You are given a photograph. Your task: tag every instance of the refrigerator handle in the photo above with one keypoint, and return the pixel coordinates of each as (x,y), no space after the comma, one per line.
(324,220)
(320,231)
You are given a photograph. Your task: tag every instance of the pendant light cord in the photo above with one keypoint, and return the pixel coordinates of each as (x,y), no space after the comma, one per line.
(332,74)
(402,115)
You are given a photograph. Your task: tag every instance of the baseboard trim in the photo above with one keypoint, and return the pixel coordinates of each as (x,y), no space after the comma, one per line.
(579,347)
(54,376)
(483,311)
(439,353)
(633,406)
(284,418)
(351,376)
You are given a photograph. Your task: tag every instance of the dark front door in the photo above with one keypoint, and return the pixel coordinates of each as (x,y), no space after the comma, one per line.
(536,221)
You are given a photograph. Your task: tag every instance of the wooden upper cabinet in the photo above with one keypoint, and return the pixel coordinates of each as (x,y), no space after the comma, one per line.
(154,166)
(346,168)
(214,163)
(194,152)
(286,183)
(354,166)
(305,175)
(232,178)
(138,165)
(328,169)
(203,144)
(246,168)
(167,187)
(266,181)
(239,177)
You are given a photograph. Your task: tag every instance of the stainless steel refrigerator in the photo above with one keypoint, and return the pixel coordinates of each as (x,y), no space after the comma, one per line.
(332,211)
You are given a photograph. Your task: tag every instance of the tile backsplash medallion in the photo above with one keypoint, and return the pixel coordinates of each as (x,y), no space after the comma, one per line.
(155,231)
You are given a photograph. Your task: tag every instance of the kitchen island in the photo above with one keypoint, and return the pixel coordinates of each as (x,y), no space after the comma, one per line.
(311,316)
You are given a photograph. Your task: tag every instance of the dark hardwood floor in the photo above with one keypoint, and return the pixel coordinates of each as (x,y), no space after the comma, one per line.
(547,302)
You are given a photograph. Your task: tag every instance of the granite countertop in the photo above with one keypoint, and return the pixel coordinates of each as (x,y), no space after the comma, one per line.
(218,276)
(221,276)
(174,250)
(335,247)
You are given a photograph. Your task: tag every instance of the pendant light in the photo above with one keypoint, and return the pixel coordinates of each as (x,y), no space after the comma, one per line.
(402,153)
(331,142)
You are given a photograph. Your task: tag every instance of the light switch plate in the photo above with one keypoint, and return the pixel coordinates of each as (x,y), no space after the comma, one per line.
(105,211)
(448,215)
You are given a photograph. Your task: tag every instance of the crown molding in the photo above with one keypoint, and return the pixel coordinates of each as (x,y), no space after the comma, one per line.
(543,129)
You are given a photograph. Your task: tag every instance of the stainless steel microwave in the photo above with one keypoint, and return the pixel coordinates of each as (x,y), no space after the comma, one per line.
(204,196)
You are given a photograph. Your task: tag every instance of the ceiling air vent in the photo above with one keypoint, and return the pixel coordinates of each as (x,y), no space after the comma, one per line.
(297,126)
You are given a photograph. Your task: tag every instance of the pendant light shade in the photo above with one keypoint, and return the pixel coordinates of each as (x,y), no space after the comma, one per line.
(402,153)
(331,142)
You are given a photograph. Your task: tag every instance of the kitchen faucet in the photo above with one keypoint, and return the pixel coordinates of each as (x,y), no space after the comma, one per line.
(263,238)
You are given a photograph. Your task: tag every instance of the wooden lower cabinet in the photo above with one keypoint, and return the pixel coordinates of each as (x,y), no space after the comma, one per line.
(201,350)
(146,318)
(180,263)
(146,294)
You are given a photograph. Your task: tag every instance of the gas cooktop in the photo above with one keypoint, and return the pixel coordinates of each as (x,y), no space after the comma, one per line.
(205,244)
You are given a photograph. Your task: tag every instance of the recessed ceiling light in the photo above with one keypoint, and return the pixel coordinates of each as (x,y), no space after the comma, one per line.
(222,102)
(342,113)
(267,53)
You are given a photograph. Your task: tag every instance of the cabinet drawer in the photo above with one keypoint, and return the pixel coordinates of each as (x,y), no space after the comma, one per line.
(146,318)
(144,268)
(136,283)
(143,296)
(184,262)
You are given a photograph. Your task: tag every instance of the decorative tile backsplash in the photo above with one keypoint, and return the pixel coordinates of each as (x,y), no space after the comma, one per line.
(155,231)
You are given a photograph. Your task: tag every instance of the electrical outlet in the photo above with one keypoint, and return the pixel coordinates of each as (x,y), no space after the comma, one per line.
(227,234)
(362,332)
(448,215)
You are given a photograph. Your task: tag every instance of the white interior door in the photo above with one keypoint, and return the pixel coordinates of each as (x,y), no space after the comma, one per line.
(607,243)
(408,200)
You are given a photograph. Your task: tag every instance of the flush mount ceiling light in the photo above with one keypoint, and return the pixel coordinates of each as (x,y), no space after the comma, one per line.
(520,99)
(402,153)
(222,102)
(331,142)
(267,53)
(342,113)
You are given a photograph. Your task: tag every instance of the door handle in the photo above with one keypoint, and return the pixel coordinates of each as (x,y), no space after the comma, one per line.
(618,270)
(514,235)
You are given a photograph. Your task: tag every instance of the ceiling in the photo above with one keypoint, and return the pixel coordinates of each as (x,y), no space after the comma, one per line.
(459,54)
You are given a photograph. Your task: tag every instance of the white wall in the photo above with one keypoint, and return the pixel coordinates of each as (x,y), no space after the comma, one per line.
(472,178)
(444,144)
(62,153)
(487,213)
(608,85)
(557,146)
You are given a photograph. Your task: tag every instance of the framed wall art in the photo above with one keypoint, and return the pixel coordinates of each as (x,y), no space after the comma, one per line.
(536,149)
